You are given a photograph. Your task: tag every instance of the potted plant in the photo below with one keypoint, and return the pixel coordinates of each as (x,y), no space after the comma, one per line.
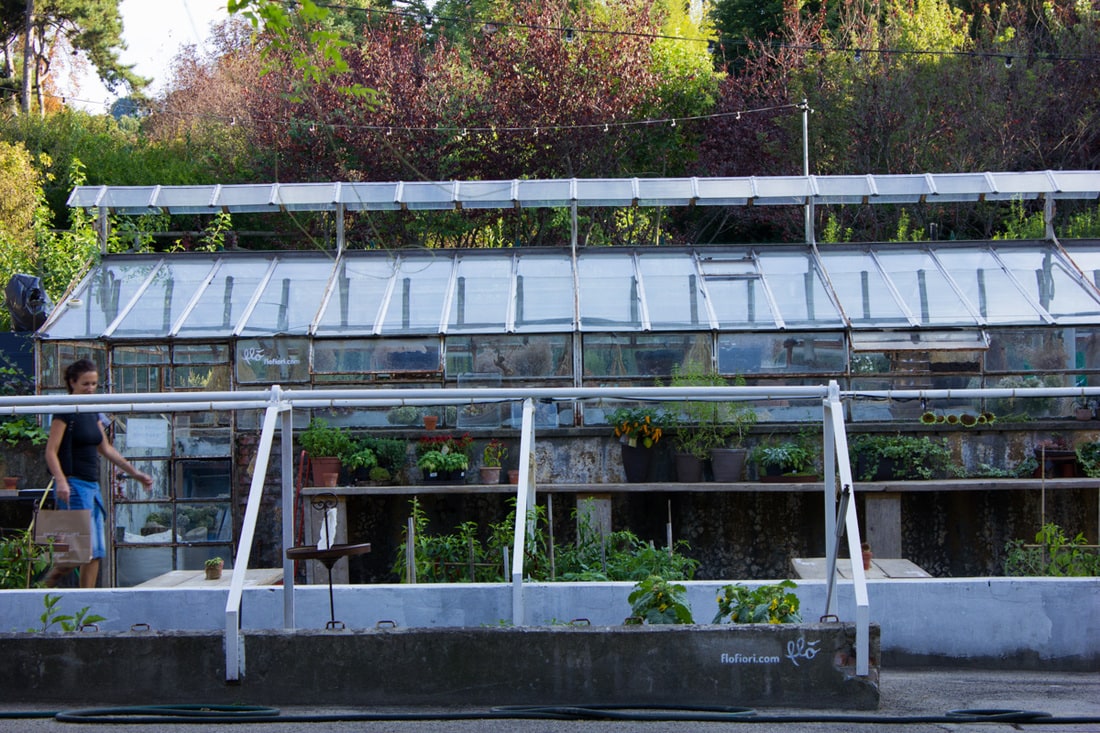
(214,568)
(432,463)
(326,445)
(784,460)
(886,457)
(492,457)
(638,429)
(455,465)
(359,462)
(1084,409)
(695,422)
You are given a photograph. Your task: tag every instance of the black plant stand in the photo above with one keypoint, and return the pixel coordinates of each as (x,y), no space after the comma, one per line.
(329,556)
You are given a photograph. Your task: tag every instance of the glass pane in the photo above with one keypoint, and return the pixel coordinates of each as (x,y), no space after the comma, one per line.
(800,295)
(292,297)
(361,285)
(223,301)
(924,289)
(1031,350)
(673,295)
(138,369)
(143,435)
(162,303)
(134,565)
(202,434)
(1047,280)
(416,305)
(132,490)
(204,522)
(203,480)
(200,354)
(204,377)
(862,290)
(143,523)
(510,357)
(481,294)
(544,293)
(100,299)
(609,294)
(987,286)
(273,361)
(736,291)
(747,353)
(646,356)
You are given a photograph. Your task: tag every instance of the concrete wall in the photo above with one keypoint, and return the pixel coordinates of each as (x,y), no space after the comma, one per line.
(1026,623)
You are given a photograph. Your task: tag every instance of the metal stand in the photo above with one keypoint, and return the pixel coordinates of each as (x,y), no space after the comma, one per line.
(329,556)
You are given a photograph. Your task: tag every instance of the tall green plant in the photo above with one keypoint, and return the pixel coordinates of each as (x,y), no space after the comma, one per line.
(703,425)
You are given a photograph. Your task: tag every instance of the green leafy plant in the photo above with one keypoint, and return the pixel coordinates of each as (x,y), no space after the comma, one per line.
(22,561)
(657,601)
(638,426)
(1088,457)
(455,461)
(14,432)
(215,562)
(793,456)
(322,440)
(1053,554)
(432,461)
(772,604)
(361,458)
(390,452)
(909,457)
(380,475)
(51,616)
(701,425)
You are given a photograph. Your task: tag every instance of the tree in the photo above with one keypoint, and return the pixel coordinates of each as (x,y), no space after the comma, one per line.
(43,27)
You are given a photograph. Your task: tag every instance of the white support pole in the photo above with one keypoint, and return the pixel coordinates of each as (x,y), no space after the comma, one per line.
(234,652)
(286,436)
(525,502)
(809,208)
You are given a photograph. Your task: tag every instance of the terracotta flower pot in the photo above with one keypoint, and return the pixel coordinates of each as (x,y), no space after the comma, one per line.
(491,474)
(11,483)
(513,476)
(213,572)
(430,422)
(867,555)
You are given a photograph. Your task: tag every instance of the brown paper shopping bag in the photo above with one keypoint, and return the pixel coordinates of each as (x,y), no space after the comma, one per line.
(72,527)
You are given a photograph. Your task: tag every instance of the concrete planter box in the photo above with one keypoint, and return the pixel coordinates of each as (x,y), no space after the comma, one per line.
(793,665)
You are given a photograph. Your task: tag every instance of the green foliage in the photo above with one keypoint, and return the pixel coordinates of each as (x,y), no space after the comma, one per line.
(638,426)
(494,453)
(380,475)
(1088,457)
(361,457)
(1053,554)
(657,601)
(704,425)
(52,616)
(15,431)
(214,562)
(468,555)
(432,461)
(773,604)
(321,439)
(390,452)
(912,457)
(22,562)
(795,455)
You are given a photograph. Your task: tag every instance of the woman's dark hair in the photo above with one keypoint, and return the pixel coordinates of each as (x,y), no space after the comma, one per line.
(74,370)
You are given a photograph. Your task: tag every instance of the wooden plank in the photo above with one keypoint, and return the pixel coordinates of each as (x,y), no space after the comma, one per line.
(814,568)
(197,579)
(882,515)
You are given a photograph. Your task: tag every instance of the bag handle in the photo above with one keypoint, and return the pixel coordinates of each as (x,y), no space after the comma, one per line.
(41,503)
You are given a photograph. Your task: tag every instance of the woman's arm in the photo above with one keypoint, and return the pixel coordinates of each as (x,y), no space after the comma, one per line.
(111,453)
(53,458)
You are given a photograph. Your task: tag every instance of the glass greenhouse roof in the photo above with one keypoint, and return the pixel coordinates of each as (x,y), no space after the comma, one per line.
(443,195)
(865,288)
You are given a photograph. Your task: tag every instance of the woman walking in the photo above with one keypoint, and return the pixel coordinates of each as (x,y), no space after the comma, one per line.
(72,456)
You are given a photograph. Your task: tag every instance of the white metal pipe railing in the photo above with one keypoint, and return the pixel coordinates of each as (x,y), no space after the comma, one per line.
(277,402)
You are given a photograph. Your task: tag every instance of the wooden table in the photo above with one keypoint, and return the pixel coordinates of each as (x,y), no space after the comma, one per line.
(881,569)
(197,579)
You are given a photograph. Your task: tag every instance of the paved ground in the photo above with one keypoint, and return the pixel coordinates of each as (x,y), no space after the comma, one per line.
(913,701)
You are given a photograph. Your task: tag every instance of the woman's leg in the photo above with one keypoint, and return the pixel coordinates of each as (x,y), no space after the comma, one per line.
(89,573)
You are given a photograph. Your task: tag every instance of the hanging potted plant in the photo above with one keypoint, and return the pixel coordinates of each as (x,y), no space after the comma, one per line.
(326,446)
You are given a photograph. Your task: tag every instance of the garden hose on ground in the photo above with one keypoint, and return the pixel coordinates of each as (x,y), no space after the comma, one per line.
(177,714)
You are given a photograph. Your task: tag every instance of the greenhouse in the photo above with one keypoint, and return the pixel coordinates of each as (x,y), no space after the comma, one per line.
(872,316)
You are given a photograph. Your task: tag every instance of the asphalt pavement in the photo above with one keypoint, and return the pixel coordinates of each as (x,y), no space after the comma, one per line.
(912,700)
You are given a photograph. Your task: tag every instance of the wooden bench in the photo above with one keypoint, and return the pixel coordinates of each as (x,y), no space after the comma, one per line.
(815,568)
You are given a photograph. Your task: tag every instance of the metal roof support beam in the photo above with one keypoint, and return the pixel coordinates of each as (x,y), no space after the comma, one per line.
(340,242)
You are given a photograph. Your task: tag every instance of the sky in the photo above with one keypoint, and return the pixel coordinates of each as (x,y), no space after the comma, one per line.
(154,31)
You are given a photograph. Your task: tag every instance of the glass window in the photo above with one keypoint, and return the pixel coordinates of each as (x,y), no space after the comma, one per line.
(609,292)
(986,285)
(225,298)
(481,295)
(358,293)
(674,295)
(511,358)
(862,289)
(139,368)
(97,302)
(924,289)
(762,353)
(800,295)
(647,356)
(164,300)
(292,297)
(736,291)
(1044,275)
(200,367)
(416,304)
(273,360)
(544,293)
(143,435)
